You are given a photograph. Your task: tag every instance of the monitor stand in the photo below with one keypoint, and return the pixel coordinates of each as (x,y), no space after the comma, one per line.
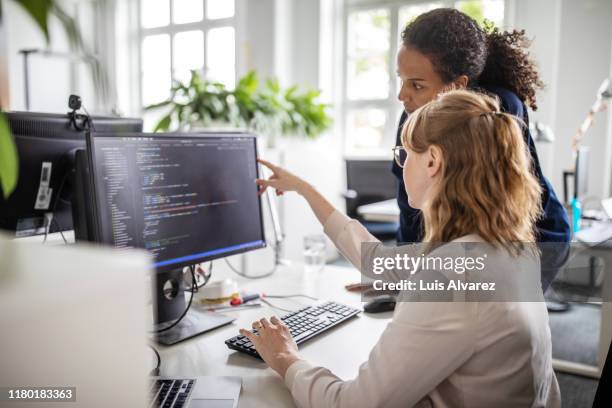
(170,304)
(194,323)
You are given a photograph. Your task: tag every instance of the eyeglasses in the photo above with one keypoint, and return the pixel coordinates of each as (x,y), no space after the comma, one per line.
(400,154)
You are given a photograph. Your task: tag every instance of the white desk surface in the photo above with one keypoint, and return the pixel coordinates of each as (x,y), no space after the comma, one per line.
(342,350)
(382,211)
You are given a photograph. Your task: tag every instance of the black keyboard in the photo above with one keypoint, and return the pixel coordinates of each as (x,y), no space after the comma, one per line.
(304,324)
(170,393)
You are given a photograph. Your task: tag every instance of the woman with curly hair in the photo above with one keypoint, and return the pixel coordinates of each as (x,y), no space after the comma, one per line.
(459,351)
(446,49)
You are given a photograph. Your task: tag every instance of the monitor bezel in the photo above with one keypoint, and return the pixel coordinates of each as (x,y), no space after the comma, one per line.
(92,136)
(48,137)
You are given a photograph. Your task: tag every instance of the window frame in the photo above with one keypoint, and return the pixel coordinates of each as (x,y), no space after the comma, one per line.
(172,29)
(390,105)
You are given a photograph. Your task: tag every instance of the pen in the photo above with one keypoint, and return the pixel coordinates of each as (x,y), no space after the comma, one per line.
(244,299)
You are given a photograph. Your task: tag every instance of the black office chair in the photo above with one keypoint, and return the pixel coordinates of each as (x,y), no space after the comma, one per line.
(367,182)
(603,396)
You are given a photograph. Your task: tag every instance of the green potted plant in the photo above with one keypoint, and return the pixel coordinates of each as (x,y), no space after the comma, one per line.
(264,108)
(40,10)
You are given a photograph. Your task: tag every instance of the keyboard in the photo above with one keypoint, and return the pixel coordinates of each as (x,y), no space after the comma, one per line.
(170,393)
(303,324)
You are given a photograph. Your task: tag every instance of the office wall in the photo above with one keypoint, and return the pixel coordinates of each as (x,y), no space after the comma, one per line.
(542,21)
(282,39)
(572,42)
(319,161)
(584,61)
(51,79)
(256,36)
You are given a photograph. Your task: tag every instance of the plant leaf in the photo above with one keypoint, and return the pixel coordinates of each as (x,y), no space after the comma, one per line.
(267,109)
(9,162)
(39,10)
(157,105)
(163,124)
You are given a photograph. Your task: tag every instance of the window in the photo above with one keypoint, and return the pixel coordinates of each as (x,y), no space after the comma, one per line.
(177,36)
(371,86)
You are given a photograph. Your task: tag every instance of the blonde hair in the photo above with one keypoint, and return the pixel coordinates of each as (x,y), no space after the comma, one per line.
(487,185)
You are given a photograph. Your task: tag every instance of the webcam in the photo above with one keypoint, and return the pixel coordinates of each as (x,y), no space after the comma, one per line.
(74,102)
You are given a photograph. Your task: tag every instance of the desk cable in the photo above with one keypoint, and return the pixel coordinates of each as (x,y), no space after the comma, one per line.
(155,372)
(275,307)
(267,302)
(194,289)
(244,275)
(264,275)
(206,275)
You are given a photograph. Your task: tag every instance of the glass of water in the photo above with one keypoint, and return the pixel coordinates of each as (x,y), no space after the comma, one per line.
(314,252)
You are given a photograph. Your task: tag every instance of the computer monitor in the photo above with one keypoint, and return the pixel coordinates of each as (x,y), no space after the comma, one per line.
(187,198)
(46,144)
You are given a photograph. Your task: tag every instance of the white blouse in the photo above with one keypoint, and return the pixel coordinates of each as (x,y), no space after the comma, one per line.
(440,354)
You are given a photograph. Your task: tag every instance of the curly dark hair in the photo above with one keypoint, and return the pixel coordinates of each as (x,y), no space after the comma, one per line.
(457,45)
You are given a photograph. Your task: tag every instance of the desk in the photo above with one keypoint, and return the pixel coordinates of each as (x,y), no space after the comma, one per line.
(603,250)
(382,211)
(207,354)
(261,387)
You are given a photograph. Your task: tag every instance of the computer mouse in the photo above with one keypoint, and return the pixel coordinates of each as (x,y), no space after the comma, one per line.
(380,304)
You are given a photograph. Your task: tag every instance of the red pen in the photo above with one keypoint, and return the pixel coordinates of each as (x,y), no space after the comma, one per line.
(244,299)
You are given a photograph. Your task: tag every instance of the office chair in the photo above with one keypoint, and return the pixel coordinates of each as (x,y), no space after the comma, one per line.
(370,181)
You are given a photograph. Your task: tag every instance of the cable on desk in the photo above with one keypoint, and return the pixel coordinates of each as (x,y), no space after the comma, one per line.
(285,297)
(291,296)
(59,227)
(193,291)
(265,275)
(155,372)
(207,276)
(275,307)
(237,272)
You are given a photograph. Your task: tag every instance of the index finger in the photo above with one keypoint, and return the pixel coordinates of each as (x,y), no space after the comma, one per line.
(268,164)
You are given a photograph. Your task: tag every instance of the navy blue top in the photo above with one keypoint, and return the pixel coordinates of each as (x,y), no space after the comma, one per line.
(553,226)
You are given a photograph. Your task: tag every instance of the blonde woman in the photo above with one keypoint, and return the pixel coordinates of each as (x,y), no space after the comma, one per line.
(440,354)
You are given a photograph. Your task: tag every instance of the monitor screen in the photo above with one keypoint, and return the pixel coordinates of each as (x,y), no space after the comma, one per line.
(186,198)
(46,144)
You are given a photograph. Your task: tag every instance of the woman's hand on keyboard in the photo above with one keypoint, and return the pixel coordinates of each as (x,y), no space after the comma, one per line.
(274,343)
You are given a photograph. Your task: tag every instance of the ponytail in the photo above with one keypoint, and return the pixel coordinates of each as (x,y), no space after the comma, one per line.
(509,64)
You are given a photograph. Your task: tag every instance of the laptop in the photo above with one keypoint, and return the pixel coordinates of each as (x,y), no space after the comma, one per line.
(74,318)
(198,392)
